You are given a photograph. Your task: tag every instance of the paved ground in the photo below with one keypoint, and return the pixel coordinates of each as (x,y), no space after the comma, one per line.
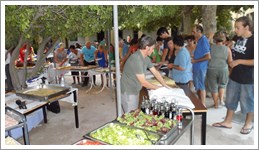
(97,109)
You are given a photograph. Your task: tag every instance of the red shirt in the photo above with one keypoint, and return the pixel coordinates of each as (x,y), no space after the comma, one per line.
(133,48)
(22,54)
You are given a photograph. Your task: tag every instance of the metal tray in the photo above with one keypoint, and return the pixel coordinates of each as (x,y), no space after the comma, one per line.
(169,133)
(88,135)
(61,90)
(164,135)
(175,134)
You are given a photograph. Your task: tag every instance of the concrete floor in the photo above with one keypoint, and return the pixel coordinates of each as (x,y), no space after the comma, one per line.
(97,109)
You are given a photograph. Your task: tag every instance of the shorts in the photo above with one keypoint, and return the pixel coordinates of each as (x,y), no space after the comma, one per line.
(243,93)
(129,102)
(199,77)
(216,78)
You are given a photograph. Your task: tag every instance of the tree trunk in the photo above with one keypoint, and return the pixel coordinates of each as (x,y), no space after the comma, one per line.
(187,24)
(209,20)
(13,71)
(40,62)
(28,47)
(41,57)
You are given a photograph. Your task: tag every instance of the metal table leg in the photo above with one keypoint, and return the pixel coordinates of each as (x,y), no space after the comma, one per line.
(91,86)
(44,114)
(25,133)
(203,128)
(103,76)
(76,109)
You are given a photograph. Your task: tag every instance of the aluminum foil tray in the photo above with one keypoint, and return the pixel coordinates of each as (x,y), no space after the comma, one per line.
(60,90)
(130,135)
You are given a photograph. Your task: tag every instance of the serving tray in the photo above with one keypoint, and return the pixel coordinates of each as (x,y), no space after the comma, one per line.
(58,90)
(125,137)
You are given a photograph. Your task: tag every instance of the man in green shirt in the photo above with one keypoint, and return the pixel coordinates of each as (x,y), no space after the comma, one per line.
(133,76)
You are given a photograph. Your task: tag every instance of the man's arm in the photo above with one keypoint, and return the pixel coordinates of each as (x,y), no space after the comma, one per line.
(205,57)
(82,59)
(158,76)
(141,78)
(246,62)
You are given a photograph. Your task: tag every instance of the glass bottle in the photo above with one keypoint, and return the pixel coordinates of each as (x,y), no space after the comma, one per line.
(179,118)
(163,100)
(162,111)
(143,107)
(173,111)
(153,102)
(167,111)
(155,110)
(147,108)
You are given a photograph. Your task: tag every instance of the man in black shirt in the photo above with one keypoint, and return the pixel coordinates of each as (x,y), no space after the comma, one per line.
(240,87)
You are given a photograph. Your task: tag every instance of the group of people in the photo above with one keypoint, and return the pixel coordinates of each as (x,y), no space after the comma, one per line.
(212,66)
(90,54)
(222,64)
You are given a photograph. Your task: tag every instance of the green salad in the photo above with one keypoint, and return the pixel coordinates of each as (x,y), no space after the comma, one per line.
(122,135)
(149,122)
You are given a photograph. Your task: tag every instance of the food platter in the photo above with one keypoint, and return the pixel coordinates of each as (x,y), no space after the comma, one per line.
(161,125)
(37,92)
(115,133)
(83,67)
(11,141)
(87,142)
(10,122)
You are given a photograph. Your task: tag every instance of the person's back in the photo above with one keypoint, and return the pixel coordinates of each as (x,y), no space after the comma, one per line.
(102,61)
(219,56)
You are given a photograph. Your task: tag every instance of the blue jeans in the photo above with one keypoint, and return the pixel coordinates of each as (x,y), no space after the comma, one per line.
(243,93)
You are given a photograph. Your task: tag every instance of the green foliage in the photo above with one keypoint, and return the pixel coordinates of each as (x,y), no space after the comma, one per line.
(55,21)
(146,17)
(64,21)
(224,20)
(17,21)
(196,14)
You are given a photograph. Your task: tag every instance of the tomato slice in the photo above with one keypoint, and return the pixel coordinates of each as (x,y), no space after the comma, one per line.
(88,142)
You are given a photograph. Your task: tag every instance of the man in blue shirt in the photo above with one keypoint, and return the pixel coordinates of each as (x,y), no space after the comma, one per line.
(200,61)
(87,58)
